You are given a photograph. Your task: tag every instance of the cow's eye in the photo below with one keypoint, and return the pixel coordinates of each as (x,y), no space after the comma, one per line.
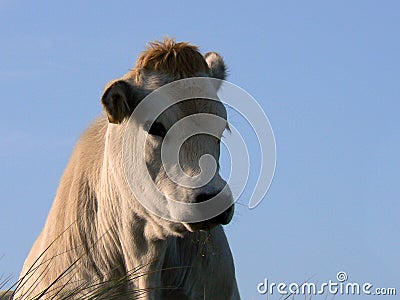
(157,129)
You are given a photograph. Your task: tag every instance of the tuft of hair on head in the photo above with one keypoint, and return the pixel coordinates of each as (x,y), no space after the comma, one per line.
(179,59)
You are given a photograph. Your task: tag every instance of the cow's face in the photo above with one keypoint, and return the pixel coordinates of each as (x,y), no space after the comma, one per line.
(182,155)
(182,143)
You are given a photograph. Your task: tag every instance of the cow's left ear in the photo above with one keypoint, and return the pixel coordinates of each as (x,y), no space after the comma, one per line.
(216,64)
(119,100)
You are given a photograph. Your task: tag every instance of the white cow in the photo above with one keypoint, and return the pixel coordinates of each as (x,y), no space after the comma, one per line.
(99,241)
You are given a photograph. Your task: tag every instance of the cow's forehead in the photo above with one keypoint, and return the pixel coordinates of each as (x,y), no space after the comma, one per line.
(192,107)
(196,106)
(177,113)
(181,98)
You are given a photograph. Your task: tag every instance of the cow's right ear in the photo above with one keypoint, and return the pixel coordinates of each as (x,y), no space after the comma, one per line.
(119,101)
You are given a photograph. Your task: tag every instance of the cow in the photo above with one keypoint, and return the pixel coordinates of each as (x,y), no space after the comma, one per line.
(99,241)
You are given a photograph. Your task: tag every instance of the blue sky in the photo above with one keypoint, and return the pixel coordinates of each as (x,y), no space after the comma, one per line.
(326,74)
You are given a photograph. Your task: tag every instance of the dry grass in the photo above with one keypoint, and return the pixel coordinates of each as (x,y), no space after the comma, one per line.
(92,290)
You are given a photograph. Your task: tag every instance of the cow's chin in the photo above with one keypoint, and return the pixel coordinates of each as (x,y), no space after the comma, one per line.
(200,226)
(221,219)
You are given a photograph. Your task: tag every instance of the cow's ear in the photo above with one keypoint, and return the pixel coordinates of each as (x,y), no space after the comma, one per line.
(216,64)
(119,100)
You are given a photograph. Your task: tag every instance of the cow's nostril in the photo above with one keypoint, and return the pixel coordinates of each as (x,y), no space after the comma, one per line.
(205,196)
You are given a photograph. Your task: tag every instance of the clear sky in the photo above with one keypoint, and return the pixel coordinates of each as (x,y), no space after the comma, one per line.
(327,73)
